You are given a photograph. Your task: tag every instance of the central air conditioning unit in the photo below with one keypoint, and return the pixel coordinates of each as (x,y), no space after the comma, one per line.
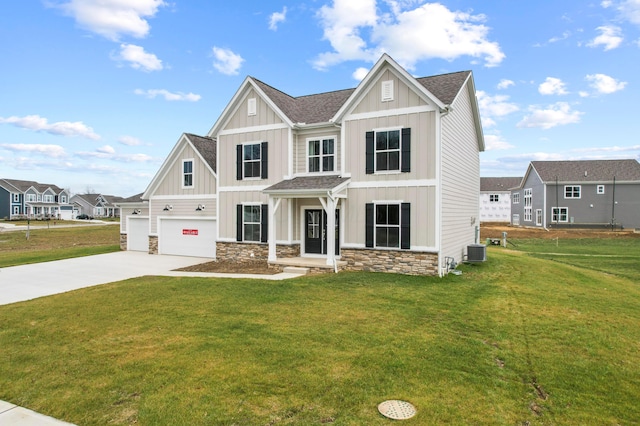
(476,253)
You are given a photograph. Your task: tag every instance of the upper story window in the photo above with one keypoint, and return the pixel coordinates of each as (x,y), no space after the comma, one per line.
(63,199)
(528,202)
(31,197)
(187,173)
(600,189)
(252,160)
(16,198)
(251,106)
(516,198)
(321,155)
(39,197)
(388,151)
(387,91)
(572,191)
(48,198)
(494,198)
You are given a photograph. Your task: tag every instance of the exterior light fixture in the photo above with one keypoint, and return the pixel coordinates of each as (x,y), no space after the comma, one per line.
(167,207)
(200,207)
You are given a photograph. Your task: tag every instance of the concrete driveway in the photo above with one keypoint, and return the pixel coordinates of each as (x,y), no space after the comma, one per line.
(26,282)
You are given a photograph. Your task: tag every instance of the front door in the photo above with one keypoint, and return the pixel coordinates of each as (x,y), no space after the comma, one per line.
(315,239)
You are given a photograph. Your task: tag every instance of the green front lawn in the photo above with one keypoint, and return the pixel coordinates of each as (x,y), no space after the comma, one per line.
(514,340)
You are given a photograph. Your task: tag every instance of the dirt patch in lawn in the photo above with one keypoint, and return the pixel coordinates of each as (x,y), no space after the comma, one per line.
(229,267)
(495,230)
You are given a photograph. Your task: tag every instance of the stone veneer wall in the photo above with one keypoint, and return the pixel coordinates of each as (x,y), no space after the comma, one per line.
(242,252)
(123,242)
(153,244)
(394,261)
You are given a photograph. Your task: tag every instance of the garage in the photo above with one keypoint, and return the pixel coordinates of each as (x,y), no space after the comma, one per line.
(187,237)
(137,233)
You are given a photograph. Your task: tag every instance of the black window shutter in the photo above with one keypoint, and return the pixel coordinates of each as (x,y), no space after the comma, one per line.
(368,223)
(405,226)
(239,222)
(239,162)
(369,152)
(264,161)
(264,223)
(406,150)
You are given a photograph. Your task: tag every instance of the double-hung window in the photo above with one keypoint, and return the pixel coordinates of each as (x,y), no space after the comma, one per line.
(16,198)
(187,173)
(494,198)
(572,191)
(388,225)
(600,189)
(321,155)
(251,161)
(252,223)
(48,198)
(388,150)
(516,198)
(559,214)
(528,198)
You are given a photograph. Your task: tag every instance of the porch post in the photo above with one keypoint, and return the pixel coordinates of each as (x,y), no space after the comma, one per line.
(272,229)
(331,230)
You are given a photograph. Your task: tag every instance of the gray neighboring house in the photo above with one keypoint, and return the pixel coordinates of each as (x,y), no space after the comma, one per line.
(593,193)
(30,199)
(495,198)
(134,223)
(96,205)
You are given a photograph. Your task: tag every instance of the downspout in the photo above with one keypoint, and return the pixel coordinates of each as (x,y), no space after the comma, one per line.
(613,204)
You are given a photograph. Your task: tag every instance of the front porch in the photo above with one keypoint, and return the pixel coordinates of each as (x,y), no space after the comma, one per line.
(311,264)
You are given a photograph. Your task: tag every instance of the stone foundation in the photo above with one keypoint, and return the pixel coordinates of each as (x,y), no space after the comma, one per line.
(393,261)
(242,252)
(153,244)
(123,242)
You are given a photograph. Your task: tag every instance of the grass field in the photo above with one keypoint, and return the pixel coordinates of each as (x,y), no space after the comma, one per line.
(516,340)
(46,244)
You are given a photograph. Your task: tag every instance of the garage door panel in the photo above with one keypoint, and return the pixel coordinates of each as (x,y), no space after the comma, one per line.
(187,237)
(138,234)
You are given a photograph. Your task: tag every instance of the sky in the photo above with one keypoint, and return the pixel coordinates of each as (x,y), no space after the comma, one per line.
(94,94)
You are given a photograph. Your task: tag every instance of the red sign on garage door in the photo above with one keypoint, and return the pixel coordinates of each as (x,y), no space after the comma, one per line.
(189,232)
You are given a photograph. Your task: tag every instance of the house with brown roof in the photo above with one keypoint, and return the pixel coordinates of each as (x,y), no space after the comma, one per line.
(34,200)
(591,193)
(381,177)
(495,198)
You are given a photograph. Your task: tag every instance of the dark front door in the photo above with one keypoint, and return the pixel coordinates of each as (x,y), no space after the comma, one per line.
(316,232)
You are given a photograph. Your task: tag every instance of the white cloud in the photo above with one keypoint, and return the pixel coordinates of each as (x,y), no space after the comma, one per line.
(113,18)
(552,86)
(138,58)
(505,84)
(603,84)
(109,153)
(226,61)
(360,73)
(610,37)
(276,18)
(409,35)
(107,149)
(630,10)
(55,151)
(168,96)
(554,115)
(130,141)
(60,128)
(565,35)
(492,107)
(495,142)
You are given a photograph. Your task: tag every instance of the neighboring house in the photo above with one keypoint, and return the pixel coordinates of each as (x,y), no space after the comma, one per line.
(96,205)
(594,193)
(182,210)
(134,223)
(30,199)
(495,198)
(383,177)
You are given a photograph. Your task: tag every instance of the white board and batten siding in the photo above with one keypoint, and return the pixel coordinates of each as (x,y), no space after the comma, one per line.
(460,177)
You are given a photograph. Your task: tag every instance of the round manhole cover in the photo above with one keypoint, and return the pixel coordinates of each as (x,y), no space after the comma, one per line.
(397,410)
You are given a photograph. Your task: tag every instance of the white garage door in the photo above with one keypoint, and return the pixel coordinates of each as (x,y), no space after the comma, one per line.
(187,237)
(137,233)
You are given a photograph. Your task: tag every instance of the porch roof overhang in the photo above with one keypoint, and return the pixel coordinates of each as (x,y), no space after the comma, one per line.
(309,187)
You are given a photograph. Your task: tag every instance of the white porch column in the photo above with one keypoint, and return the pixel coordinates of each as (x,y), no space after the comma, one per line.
(331,230)
(274,203)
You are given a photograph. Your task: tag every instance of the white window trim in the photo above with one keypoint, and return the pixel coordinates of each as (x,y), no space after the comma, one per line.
(375,223)
(252,204)
(528,206)
(559,214)
(538,217)
(494,198)
(516,198)
(321,156)
(375,151)
(387,94)
(600,189)
(572,191)
(193,173)
(244,169)
(16,209)
(251,107)
(16,198)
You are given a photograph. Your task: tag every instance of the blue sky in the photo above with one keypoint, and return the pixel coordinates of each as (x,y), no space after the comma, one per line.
(95,93)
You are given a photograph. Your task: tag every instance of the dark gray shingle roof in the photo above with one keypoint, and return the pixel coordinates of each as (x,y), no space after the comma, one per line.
(499,183)
(321,107)
(588,170)
(206,147)
(307,183)
(23,185)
